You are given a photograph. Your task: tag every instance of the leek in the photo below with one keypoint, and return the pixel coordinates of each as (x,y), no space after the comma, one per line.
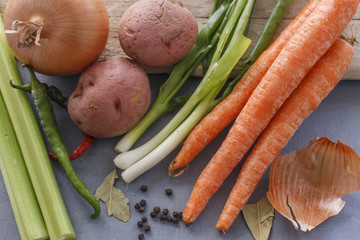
(32,147)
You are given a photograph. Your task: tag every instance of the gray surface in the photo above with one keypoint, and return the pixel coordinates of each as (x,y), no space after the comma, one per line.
(337,117)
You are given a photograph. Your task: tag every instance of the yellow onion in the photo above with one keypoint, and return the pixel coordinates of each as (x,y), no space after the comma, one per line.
(306,186)
(57,37)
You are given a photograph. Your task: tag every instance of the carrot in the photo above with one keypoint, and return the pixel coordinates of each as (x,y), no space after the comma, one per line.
(228,109)
(317,84)
(299,55)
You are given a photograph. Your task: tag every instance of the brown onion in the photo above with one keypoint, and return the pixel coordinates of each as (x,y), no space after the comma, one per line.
(57,37)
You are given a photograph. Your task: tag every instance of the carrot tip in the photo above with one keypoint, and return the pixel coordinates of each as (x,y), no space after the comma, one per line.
(221,228)
(172,169)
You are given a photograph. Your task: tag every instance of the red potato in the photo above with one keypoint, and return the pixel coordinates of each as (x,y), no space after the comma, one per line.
(157,32)
(111,97)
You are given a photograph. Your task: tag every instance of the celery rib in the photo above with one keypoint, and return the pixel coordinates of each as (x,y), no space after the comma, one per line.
(22,197)
(33,148)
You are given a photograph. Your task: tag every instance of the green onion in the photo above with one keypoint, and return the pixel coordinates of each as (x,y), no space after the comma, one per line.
(231,46)
(216,5)
(207,39)
(32,147)
(213,82)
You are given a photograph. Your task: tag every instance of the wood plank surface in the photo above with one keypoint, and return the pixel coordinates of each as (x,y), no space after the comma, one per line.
(201,8)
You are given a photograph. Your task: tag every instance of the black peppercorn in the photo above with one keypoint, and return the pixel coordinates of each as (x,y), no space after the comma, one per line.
(156,209)
(153,214)
(142,202)
(141,209)
(141,236)
(168,191)
(175,214)
(137,205)
(147,228)
(140,224)
(180,214)
(162,217)
(169,219)
(175,220)
(165,211)
(143,219)
(143,188)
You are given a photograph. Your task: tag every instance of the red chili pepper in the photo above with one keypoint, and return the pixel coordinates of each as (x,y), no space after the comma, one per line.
(52,156)
(85,144)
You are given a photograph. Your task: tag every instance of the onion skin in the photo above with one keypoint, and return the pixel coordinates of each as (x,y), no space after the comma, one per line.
(306,186)
(76,32)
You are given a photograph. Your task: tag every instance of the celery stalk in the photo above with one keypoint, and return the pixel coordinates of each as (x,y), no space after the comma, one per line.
(23,200)
(33,148)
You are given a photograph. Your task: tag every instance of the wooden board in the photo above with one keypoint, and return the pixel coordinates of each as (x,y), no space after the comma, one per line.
(201,9)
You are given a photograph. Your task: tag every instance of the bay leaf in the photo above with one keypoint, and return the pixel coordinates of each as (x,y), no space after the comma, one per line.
(114,198)
(259,218)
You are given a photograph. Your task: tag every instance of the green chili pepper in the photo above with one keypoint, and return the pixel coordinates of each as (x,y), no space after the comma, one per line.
(49,124)
(53,92)
(55,95)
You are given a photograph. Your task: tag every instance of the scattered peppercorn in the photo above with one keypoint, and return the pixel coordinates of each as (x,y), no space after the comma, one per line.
(144,219)
(175,214)
(165,211)
(143,188)
(142,202)
(180,214)
(162,217)
(168,191)
(137,205)
(156,209)
(141,236)
(141,209)
(175,220)
(153,214)
(140,224)
(169,219)
(147,228)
